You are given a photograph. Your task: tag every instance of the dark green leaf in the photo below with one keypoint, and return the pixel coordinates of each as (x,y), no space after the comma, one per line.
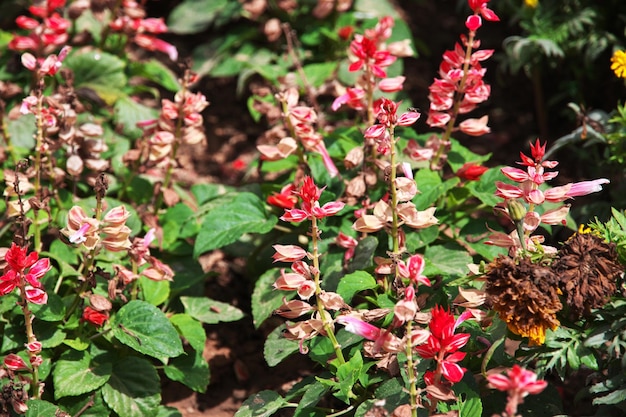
(265,298)
(127,113)
(191,370)
(191,329)
(193,16)
(355,282)
(100,71)
(227,223)
(263,404)
(210,311)
(448,260)
(154,292)
(146,329)
(133,389)
(40,408)
(75,373)
(363,254)
(53,310)
(277,348)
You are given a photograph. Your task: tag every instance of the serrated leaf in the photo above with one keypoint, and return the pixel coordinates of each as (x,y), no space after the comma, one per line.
(210,311)
(39,408)
(191,370)
(191,329)
(133,389)
(363,254)
(146,329)
(76,373)
(263,404)
(352,283)
(266,299)
(226,223)
(277,348)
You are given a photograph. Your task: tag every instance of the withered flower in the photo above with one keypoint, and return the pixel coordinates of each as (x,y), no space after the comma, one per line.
(525,295)
(587,268)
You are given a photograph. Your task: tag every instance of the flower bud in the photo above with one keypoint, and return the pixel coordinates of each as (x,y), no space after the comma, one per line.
(517,211)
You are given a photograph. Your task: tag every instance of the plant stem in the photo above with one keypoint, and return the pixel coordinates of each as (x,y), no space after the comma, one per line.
(413,393)
(38,158)
(326,320)
(30,337)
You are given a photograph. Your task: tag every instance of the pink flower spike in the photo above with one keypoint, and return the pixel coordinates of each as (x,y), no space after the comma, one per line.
(473,22)
(34,347)
(359,327)
(475,127)
(518,380)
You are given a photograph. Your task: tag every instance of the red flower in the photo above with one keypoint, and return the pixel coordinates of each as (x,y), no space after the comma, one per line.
(19,260)
(443,344)
(310,208)
(95,317)
(471,171)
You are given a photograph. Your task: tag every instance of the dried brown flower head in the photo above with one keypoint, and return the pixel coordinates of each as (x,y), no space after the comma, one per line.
(525,295)
(588,269)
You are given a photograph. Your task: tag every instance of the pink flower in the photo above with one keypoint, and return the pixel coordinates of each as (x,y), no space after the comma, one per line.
(353,98)
(413,269)
(310,208)
(288,253)
(25,272)
(475,127)
(382,339)
(518,382)
(15,363)
(390,85)
(473,22)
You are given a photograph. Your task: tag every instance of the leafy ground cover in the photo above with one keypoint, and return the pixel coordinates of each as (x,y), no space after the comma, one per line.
(312,208)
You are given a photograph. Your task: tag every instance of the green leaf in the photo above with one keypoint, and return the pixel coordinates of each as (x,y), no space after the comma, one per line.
(89,405)
(277,348)
(348,374)
(193,16)
(227,223)
(53,310)
(99,71)
(146,329)
(448,260)
(355,282)
(317,73)
(133,389)
(266,299)
(191,370)
(154,292)
(22,131)
(363,254)
(430,188)
(164,411)
(39,408)
(484,189)
(77,373)
(460,155)
(210,311)
(311,397)
(263,404)
(155,71)
(191,329)
(127,113)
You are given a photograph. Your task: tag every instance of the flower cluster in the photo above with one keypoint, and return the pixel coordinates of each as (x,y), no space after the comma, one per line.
(518,383)
(443,346)
(45,35)
(618,63)
(304,278)
(141,30)
(300,121)
(24,272)
(180,121)
(371,54)
(530,192)
(111,231)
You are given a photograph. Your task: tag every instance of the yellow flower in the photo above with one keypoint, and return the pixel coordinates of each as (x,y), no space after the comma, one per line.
(618,63)
(531,3)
